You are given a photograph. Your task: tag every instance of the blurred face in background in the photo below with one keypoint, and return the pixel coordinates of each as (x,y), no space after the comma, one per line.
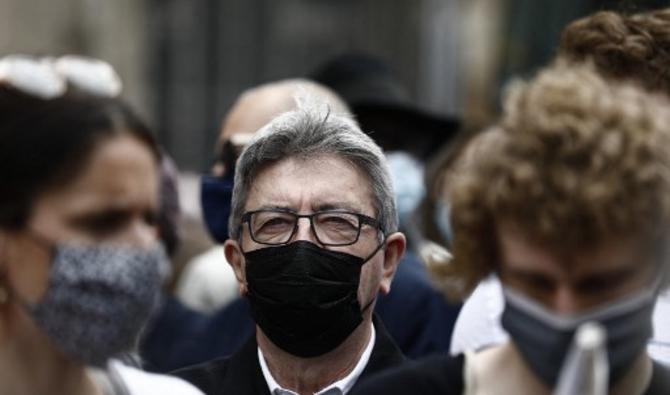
(572,282)
(112,200)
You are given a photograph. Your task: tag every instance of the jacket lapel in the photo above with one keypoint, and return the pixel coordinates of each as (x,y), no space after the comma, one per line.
(245,376)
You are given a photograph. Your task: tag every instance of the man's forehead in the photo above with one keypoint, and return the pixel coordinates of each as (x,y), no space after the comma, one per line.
(316,184)
(519,249)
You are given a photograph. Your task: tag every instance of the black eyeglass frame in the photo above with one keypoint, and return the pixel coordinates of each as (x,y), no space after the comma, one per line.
(362,220)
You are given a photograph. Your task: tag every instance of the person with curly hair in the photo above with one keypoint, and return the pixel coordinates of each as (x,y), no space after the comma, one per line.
(567,200)
(633,48)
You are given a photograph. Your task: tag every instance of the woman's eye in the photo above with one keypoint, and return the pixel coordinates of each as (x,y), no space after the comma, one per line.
(108,222)
(151,217)
(105,223)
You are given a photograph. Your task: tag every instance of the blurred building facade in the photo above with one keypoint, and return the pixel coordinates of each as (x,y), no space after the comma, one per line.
(183,62)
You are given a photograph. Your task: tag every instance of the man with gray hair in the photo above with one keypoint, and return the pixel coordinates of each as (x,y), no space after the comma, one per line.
(313,240)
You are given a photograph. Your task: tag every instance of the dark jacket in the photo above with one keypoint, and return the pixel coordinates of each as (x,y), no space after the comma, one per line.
(241,373)
(443,375)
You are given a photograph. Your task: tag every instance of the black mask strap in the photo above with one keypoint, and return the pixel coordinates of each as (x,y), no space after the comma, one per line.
(43,241)
(379,247)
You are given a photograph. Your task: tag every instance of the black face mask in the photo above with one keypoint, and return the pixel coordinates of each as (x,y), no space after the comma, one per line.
(304,297)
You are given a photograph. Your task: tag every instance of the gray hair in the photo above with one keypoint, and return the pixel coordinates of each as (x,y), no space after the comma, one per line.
(306,132)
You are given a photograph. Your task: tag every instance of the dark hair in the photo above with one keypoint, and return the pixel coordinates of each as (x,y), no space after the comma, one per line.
(44,143)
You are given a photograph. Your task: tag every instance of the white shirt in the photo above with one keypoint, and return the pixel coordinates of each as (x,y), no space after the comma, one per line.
(659,345)
(340,387)
(138,382)
(478,324)
(208,282)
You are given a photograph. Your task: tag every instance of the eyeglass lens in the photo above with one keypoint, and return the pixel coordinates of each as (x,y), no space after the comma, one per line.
(333,228)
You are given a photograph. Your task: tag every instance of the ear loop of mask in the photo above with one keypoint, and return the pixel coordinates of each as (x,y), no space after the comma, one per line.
(45,243)
(376,250)
(4,284)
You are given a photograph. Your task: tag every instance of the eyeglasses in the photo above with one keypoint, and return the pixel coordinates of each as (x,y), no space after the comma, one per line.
(331,228)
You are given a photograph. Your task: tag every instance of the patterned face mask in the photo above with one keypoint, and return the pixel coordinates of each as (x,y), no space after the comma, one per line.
(98,299)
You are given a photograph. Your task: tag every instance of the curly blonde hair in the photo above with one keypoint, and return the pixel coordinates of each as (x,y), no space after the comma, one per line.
(635,47)
(574,160)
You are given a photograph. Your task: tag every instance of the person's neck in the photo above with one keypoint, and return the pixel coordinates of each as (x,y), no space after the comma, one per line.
(309,375)
(637,379)
(634,382)
(30,364)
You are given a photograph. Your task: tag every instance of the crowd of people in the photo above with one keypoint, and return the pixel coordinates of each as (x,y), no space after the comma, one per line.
(363,245)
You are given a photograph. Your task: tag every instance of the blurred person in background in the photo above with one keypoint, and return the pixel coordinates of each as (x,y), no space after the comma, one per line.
(569,203)
(313,241)
(478,322)
(624,48)
(169,211)
(630,48)
(408,134)
(80,265)
(173,324)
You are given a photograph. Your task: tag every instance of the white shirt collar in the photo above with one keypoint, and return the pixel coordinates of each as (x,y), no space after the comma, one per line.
(340,387)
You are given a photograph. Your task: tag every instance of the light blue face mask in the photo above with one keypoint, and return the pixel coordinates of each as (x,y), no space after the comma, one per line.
(407,177)
(442,220)
(543,337)
(99,298)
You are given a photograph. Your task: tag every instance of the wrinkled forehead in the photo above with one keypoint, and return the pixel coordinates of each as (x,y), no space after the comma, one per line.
(314,182)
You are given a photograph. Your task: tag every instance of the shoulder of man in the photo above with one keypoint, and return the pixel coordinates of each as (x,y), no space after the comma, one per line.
(239,374)
(441,375)
(660,380)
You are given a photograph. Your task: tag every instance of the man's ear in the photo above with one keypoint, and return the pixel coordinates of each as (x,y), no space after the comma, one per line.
(235,258)
(394,250)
